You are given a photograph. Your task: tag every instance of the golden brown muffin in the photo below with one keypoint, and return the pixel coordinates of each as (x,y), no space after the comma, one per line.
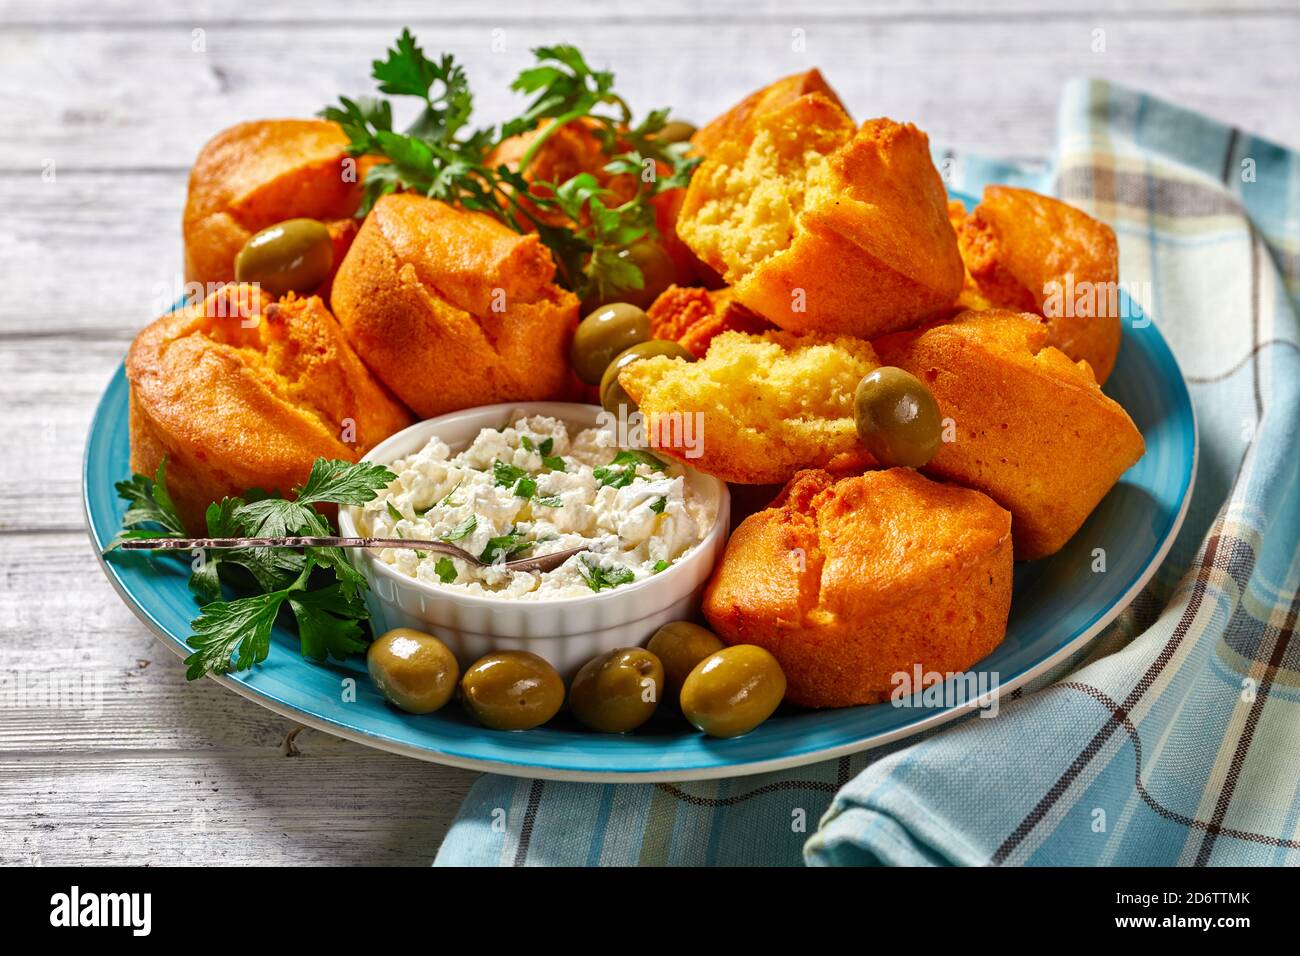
(971,298)
(452,309)
(239,392)
(768,404)
(687,267)
(738,122)
(849,583)
(823,228)
(692,317)
(1032,429)
(256,174)
(1030,253)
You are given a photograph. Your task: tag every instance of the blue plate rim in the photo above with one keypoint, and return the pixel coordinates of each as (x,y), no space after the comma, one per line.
(557,769)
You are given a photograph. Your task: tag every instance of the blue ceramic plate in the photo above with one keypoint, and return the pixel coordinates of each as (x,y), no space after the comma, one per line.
(1059,605)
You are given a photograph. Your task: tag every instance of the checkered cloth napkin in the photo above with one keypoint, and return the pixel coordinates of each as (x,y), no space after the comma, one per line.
(1175,737)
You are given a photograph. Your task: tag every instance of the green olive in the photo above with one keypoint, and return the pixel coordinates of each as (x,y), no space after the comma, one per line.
(512,690)
(675,131)
(612,394)
(602,335)
(897,417)
(657,271)
(681,645)
(413,670)
(292,256)
(618,691)
(731,692)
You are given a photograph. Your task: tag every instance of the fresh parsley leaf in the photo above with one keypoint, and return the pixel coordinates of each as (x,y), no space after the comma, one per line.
(329,622)
(271,568)
(634,456)
(235,635)
(505,475)
(661,565)
(504,547)
(554,463)
(149,503)
(600,579)
(344,482)
(442,157)
(462,530)
(352,580)
(445,570)
(330,482)
(659,504)
(525,487)
(613,477)
(276,517)
(550,501)
(205,580)
(393,512)
(621,471)
(543,447)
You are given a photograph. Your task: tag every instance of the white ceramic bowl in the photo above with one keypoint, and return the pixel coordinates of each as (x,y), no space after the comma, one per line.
(568,632)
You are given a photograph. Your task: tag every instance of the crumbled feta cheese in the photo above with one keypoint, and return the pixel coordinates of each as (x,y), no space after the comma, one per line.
(507,487)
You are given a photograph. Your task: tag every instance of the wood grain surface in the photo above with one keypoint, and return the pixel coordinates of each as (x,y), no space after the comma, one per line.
(136,766)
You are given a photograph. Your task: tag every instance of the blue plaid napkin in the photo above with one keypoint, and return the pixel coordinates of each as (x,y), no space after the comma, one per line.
(1175,737)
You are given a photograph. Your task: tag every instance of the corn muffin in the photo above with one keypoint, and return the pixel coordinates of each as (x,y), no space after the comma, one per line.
(1031,428)
(768,404)
(692,317)
(1030,253)
(970,298)
(239,392)
(821,227)
(738,122)
(256,174)
(452,309)
(851,582)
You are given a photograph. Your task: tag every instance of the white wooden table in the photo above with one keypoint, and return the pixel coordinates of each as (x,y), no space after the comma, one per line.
(106,102)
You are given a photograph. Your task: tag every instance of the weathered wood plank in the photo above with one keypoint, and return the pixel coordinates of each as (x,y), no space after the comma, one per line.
(980,84)
(63,626)
(120,13)
(327,806)
(48,389)
(96,253)
(168,771)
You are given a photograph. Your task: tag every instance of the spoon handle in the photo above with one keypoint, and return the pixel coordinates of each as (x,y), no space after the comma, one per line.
(546,562)
(290,541)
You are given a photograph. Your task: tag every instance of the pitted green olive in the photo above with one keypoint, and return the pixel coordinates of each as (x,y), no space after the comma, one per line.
(612,394)
(897,418)
(657,271)
(413,670)
(602,335)
(618,691)
(292,256)
(512,690)
(733,691)
(680,646)
(675,131)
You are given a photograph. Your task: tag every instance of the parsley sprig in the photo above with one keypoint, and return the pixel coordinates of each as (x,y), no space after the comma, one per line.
(441,156)
(320,587)
(621,471)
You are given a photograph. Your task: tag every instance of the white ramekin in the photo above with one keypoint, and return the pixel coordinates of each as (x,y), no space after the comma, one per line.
(568,632)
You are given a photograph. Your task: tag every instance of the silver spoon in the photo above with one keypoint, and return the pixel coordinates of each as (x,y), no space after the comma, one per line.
(547,562)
